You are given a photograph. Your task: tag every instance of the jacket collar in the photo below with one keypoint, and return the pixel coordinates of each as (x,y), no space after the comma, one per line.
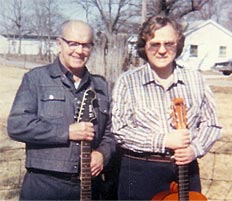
(56,69)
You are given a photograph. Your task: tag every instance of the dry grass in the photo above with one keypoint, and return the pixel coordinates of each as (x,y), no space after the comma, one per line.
(10,80)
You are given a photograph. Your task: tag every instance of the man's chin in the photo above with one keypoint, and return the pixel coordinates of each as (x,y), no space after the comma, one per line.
(78,64)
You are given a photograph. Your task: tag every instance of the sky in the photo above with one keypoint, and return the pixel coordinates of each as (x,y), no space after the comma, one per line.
(71,11)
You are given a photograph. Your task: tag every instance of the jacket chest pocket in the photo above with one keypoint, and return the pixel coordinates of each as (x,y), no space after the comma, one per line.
(52,102)
(102,115)
(103,107)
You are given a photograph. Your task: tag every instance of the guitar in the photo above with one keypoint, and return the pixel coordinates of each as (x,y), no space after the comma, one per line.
(86,113)
(180,191)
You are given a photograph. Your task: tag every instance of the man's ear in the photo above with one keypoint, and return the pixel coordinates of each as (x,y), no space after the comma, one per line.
(58,44)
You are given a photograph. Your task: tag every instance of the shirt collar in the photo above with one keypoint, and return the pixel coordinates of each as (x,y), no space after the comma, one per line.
(150,77)
(178,74)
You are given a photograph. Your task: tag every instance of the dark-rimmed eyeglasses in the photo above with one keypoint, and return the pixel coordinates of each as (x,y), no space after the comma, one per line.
(74,45)
(153,46)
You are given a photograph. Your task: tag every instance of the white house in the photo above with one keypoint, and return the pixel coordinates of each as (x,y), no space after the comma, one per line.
(30,45)
(3,45)
(206,43)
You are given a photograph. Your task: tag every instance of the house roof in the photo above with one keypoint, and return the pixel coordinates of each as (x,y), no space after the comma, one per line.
(29,37)
(194,26)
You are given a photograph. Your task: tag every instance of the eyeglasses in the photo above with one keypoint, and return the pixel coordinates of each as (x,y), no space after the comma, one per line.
(74,45)
(169,46)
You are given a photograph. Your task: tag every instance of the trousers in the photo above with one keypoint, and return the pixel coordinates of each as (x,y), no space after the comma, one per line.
(141,180)
(40,186)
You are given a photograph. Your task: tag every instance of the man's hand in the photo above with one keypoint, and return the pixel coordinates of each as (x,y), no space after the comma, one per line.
(81,131)
(96,163)
(184,156)
(177,139)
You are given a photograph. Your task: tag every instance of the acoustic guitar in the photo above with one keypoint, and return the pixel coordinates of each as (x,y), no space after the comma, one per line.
(86,113)
(180,191)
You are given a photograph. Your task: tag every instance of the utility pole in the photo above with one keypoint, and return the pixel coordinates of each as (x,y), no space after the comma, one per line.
(144,10)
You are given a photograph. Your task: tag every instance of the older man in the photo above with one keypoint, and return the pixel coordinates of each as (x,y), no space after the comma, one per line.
(44,117)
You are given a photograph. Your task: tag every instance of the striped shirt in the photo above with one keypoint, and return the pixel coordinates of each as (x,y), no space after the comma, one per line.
(142,110)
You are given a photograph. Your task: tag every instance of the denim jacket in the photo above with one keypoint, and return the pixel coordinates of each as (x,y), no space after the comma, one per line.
(42,111)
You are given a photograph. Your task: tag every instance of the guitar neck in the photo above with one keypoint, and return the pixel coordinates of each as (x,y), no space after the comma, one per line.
(179,112)
(183,179)
(86,192)
(86,113)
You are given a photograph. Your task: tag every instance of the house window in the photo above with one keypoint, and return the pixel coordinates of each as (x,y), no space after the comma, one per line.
(193,50)
(222,51)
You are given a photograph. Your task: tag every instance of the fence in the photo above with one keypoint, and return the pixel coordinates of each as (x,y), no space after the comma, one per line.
(215,174)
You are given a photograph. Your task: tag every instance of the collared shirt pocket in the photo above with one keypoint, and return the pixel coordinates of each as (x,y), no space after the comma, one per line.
(52,102)
(147,118)
(193,116)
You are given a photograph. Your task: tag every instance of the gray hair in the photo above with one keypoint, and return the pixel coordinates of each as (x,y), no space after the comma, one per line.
(67,23)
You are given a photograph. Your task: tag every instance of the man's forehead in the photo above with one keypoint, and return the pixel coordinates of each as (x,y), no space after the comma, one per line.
(78,31)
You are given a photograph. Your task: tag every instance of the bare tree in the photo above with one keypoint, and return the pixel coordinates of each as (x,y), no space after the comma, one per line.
(86,5)
(218,11)
(111,20)
(176,8)
(117,17)
(110,15)
(14,18)
(45,23)
(38,23)
(210,10)
(144,10)
(229,22)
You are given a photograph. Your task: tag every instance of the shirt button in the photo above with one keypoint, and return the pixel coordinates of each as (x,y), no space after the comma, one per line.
(51,97)
(77,144)
(75,167)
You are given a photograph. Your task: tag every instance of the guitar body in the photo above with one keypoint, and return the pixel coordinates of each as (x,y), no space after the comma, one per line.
(180,191)
(175,196)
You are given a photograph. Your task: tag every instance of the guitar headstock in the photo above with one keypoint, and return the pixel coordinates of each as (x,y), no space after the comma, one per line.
(86,111)
(179,113)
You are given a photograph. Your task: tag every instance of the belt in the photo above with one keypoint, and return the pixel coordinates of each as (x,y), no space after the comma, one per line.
(151,157)
(74,177)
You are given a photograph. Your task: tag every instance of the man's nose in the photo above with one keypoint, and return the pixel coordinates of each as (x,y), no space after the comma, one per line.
(79,48)
(162,48)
